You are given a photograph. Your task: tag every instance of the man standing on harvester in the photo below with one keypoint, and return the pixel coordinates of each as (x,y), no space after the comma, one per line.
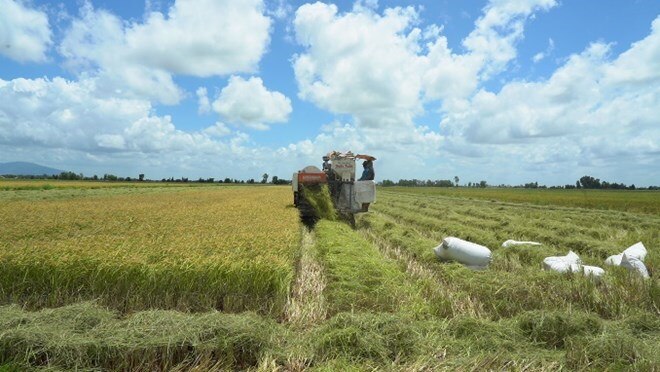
(368,173)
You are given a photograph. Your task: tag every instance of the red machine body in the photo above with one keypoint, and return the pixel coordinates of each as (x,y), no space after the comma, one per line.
(312,178)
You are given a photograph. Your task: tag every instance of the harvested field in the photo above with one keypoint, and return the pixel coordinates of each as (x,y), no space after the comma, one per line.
(161,263)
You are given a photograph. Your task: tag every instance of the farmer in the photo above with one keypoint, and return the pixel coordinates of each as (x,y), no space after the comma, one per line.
(368,172)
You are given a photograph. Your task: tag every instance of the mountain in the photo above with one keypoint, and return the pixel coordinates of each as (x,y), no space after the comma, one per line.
(20,168)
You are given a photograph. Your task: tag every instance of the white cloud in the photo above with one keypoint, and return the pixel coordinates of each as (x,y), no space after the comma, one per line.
(25,34)
(201,37)
(382,69)
(498,29)
(196,37)
(219,129)
(68,124)
(590,109)
(360,63)
(490,47)
(204,106)
(538,57)
(249,103)
(111,141)
(375,68)
(279,9)
(640,64)
(64,114)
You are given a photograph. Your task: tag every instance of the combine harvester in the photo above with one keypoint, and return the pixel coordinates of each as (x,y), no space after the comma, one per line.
(349,195)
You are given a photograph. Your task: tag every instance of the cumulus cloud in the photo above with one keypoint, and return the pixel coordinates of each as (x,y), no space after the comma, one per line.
(204,105)
(593,111)
(219,129)
(25,34)
(360,63)
(496,32)
(538,57)
(201,37)
(196,37)
(249,103)
(383,69)
(62,122)
(279,9)
(377,67)
(59,113)
(400,154)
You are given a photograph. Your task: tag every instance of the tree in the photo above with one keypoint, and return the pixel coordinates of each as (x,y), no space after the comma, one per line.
(456,180)
(482,184)
(274,180)
(264,178)
(589,182)
(141,177)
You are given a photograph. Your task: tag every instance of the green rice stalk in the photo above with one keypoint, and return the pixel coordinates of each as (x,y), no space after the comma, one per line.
(319,198)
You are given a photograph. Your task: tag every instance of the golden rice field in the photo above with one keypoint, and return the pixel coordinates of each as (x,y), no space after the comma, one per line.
(225,248)
(153,277)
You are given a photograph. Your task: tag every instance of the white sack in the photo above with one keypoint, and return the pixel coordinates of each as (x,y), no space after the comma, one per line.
(510,243)
(594,271)
(470,254)
(614,260)
(561,264)
(634,264)
(636,250)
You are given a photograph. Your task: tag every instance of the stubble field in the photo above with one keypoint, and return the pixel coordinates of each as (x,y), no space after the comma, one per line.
(222,277)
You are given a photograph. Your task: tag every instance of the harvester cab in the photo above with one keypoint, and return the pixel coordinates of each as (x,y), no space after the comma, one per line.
(349,194)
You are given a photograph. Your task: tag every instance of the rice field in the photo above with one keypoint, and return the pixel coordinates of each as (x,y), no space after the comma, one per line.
(223,248)
(223,277)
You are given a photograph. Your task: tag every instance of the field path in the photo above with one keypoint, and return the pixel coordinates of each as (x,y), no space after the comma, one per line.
(307,305)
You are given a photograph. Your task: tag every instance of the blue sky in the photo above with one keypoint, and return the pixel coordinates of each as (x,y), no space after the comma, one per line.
(506,91)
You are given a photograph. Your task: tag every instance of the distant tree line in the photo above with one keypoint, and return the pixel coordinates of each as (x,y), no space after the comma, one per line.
(430,183)
(71,176)
(585,182)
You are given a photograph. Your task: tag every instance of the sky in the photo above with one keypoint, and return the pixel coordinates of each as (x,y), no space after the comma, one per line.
(504,91)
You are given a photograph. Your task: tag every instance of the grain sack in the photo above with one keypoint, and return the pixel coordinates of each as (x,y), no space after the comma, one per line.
(614,260)
(636,250)
(561,264)
(467,253)
(510,243)
(632,263)
(593,271)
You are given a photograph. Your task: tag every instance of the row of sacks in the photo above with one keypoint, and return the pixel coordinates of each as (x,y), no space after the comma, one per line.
(478,257)
(472,255)
(632,259)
